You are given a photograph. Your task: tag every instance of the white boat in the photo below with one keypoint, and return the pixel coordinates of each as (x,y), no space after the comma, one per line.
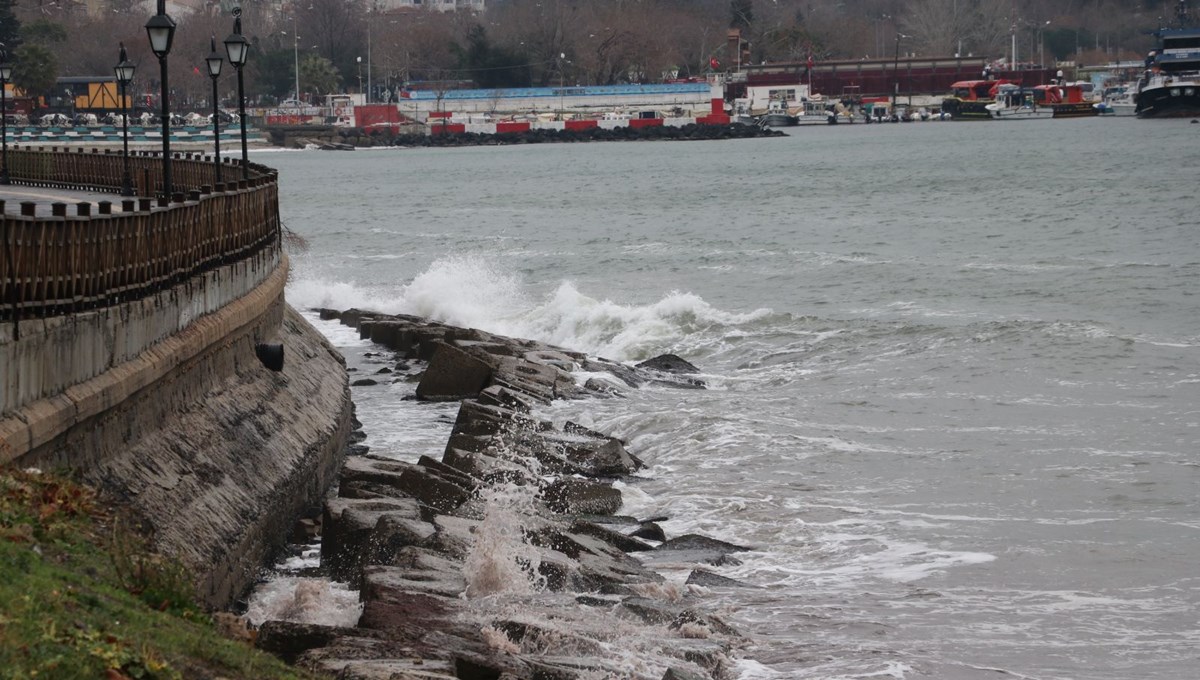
(1016,103)
(1119,100)
(815,112)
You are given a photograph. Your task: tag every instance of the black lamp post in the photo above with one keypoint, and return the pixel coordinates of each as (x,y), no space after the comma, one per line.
(161,29)
(238,48)
(5,76)
(124,72)
(215,61)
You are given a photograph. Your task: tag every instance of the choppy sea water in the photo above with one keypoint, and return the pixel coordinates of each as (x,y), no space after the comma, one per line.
(954,392)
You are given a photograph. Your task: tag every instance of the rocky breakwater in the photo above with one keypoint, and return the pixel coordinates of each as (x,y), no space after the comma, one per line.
(507,558)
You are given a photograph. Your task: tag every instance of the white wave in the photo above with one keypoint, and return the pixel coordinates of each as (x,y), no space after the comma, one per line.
(304,600)
(468,291)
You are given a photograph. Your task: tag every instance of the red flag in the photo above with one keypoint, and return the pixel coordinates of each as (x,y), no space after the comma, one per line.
(196,70)
(810,61)
(714,63)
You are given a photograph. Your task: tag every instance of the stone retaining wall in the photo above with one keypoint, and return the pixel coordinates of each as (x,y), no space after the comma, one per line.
(217,453)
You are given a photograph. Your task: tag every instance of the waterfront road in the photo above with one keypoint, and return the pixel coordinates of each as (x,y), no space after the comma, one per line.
(14,195)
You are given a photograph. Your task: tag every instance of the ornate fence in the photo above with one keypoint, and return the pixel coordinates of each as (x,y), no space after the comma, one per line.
(89,255)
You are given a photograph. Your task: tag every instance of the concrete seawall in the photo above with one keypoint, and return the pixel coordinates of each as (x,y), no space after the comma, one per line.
(216,453)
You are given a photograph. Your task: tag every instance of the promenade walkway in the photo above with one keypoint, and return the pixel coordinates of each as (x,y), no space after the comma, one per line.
(13,196)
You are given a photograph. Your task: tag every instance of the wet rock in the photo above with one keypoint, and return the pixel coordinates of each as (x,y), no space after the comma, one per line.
(703,577)
(364,382)
(572,496)
(650,531)
(669,363)
(453,374)
(288,640)
(698,542)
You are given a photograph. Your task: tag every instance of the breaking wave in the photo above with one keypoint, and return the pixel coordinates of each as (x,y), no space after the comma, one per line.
(467,291)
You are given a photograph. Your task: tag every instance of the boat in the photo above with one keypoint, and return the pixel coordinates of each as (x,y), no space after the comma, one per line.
(969,99)
(777,115)
(1066,100)
(1017,103)
(1119,100)
(1170,88)
(816,112)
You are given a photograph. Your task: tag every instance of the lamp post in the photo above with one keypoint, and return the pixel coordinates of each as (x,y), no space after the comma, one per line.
(1042,45)
(215,61)
(161,30)
(358,60)
(5,76)
(238,48)
(124,73)
(896,71)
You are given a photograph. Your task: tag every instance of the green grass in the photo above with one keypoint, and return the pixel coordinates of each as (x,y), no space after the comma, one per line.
(82,597)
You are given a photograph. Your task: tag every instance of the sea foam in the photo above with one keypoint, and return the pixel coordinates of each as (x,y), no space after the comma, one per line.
(469,291)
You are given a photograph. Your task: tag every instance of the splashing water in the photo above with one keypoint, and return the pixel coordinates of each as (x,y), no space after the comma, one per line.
(468,291)
(304,600)
(500,560)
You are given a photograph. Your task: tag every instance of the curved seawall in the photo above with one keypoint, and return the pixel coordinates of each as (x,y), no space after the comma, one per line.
(130,343)
(216,453)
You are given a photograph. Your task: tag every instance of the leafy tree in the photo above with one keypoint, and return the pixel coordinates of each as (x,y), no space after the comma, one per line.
(10,28)
(37,70)
(318,74)
(44,32)
(489,66)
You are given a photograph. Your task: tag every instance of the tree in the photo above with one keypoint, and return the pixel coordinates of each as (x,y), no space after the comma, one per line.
(741,14)
(38,69)
(10,28)
(318,74)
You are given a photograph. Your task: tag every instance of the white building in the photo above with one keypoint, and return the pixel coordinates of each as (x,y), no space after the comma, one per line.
(439,5)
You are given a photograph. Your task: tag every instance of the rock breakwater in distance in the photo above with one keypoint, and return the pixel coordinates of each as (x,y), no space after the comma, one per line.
(350,138)
(506,559)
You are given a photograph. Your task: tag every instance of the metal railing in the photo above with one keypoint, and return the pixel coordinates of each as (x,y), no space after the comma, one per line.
(80,258)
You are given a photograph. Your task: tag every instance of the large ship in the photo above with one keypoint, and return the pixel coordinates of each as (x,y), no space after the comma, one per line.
(1170,88)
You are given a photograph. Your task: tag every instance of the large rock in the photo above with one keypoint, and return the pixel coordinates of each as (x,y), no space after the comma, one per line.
(453,374)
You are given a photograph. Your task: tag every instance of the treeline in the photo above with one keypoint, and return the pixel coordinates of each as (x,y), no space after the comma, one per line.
(329,46)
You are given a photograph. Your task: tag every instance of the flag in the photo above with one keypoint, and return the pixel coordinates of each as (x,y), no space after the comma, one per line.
(714,64)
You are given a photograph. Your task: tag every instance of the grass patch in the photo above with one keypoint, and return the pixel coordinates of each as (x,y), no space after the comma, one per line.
(82,596)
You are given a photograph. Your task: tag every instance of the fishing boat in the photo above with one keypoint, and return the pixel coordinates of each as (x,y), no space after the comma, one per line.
(968,99)
(1170,88)
(777,115)
(816,112)
(1017,103)
(1066,100)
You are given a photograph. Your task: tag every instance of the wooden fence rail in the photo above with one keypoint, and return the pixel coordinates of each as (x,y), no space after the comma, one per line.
(113,253)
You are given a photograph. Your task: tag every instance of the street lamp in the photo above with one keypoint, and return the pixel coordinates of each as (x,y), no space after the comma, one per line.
(161,29)
(1042,45)
(124,73)
(358,60)
(896,71)
(238,48)
(5,76)
(215,61)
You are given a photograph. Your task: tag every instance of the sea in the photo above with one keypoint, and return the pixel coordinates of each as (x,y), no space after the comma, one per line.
(953,368)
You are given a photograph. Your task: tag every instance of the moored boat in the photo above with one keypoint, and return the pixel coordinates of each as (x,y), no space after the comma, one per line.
(777,115)
(969,99)
(1170,87)
(1066,100)
(1017,103)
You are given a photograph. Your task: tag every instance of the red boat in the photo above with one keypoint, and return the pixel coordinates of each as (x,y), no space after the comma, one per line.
(1067,100)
